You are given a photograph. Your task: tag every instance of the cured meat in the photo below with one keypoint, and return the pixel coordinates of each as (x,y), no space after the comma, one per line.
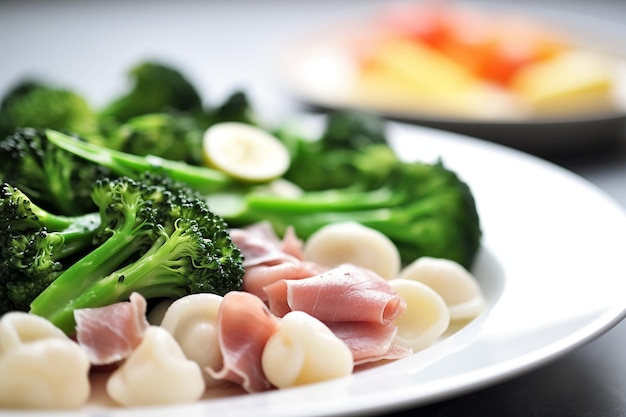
(258,277)
(291,245)
(244,326)
(110,334)
(268,259)
(369,342)
(259,245)
(355,303)
(344,293)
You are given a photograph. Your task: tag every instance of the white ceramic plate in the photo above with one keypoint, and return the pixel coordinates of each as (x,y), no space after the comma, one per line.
(551,265)
(318,71)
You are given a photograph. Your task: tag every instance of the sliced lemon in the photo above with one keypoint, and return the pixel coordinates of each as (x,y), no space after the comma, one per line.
(245,152)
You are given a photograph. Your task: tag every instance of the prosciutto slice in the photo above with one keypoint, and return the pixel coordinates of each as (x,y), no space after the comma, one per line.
(347,293)
(110,334)
(368,341)
(244,326)
(268,259)
(260,245)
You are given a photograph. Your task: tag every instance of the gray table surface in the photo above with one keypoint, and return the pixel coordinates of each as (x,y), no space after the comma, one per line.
(231,39)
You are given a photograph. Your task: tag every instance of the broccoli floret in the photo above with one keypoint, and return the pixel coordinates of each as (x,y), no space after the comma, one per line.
(236,108)
(352,129)
(19,213)
(352,149)
(155,240)
(174,136)
(156,88)
(40,105)
(53,178)
(35,246)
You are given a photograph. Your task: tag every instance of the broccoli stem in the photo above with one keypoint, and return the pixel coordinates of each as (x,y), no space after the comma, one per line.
(72,242)
(157,273)
(424,210)
(98,263)
(56,222)
(201,179)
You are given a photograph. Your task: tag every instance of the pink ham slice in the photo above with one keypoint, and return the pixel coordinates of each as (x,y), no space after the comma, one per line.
(258,277)
(355,303)
(346,293)
(369,342)
(244,326)
(109,334)
(260,245)
(268,259)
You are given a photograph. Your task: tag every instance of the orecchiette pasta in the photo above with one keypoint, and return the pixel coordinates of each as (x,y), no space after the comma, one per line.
(157,372)
(454,283)
(192,320)
(40,367)
(426,316)
(351,242)
(304,350)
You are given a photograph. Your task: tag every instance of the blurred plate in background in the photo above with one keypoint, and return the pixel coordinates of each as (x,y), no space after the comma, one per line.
(576,102)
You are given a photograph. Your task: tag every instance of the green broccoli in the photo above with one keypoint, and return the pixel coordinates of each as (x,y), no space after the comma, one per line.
(156,88)
(154,239)
(352,149)
(236,108)
(201,179)
(424,208)
(174,136)
(35,246)
(53,178)
(40,105)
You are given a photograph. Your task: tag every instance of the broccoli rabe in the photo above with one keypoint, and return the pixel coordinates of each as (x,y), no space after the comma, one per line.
(41,105)
(35,246)
(155,239)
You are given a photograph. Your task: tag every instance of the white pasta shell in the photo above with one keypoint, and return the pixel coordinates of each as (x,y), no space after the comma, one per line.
(40,367)
(157,372)
(192,320)
(353,243)
(303,351)
(426,316)
(455,284)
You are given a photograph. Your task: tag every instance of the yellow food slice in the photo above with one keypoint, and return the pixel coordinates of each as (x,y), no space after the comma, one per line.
(569,83)
(405,74)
